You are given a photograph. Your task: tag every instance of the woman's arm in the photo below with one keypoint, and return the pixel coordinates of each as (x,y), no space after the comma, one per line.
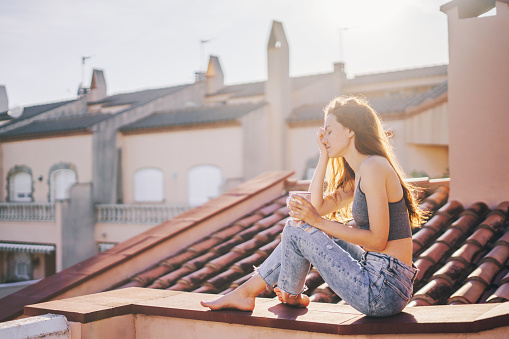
(328,204)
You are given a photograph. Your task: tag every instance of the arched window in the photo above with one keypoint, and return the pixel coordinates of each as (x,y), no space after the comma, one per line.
(149,185)
(204,183)
(20,187)
(19,184)
(60,181)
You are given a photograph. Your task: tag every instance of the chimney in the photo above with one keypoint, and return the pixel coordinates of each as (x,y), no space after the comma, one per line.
(97,86)
(214,75)
(478,102)
(4,101)
(277,94)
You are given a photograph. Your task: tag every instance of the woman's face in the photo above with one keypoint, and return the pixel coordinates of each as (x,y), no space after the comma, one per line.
(337,137)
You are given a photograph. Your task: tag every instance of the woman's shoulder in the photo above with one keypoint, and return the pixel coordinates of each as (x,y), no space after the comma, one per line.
(376,165)
(375,170)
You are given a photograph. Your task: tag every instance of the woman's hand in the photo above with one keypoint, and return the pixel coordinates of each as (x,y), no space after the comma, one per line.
(302,209)
(319,141)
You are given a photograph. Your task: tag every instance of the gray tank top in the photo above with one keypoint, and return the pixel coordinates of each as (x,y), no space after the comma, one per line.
(399,221)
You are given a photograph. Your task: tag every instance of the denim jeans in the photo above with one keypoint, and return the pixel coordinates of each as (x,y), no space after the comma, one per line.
(373,283)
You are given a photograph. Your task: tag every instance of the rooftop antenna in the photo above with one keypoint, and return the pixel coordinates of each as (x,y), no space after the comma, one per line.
(83,59)
(82,90)
(202,53)
(198,76)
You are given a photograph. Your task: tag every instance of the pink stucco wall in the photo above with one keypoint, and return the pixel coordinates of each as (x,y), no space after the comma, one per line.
(41,154)
(479,106)
(176,152)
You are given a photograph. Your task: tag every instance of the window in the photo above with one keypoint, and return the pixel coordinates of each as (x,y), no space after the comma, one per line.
(60,182)
(20,187)
(204,183)
(19,267)
(149,185)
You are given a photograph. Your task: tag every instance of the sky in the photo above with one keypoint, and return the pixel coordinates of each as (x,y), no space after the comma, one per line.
(157,43)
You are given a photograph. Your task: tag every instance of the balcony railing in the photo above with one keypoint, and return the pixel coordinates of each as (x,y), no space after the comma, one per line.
(27,212)
(137,214)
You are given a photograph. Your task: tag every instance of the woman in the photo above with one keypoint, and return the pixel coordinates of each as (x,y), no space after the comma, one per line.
(370,265)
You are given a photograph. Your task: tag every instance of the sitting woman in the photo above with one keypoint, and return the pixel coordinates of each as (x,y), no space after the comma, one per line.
(370,265)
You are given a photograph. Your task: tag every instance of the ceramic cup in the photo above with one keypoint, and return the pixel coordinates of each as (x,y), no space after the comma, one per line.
(306,195)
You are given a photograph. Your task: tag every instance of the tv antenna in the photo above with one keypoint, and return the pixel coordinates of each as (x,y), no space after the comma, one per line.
(83,59)
(202,53)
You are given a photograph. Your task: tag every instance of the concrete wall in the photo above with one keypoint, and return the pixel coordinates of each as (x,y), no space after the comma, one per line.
(430,127)
(41,154)
(29,231)
(433,160)
(255,143)
(302,147)
(175,152)
(398,141)
(478,106)
(78,241)
(115,233)
(278,95)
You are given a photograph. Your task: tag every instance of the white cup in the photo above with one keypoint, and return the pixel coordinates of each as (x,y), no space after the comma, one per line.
(306,195)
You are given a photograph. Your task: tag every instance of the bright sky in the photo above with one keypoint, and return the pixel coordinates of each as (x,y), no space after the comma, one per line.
(156,43)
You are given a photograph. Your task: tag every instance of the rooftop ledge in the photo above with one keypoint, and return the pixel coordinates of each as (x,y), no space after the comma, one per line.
(141,312)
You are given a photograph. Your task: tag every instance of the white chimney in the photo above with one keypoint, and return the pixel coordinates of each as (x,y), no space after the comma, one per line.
(214,75)
(4,101)
(97,86)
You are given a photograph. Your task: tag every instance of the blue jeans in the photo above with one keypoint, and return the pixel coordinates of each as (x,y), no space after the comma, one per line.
(373,283)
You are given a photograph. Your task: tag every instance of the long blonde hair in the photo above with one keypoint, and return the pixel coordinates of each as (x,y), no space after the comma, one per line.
(355,114)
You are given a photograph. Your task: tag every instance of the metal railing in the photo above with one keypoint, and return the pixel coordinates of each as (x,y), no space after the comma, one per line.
(27,212)
(137,214)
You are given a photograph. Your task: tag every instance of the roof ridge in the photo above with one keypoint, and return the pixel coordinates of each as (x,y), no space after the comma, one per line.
(396,70)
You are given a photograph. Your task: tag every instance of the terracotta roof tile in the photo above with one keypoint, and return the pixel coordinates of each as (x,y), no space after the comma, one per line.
(460,254)
(169,279)
(502,292)
(438,252)
(473,261)
(432,228)
(436,200)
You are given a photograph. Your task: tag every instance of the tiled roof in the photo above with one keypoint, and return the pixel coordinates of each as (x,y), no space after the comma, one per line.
(383,104)
(192,116)
(462,254)
(139,97)
(225,259)
(258,88)
(429,71)
(31,111)
(58,125)
(399,102)
(243,90)
(4,116)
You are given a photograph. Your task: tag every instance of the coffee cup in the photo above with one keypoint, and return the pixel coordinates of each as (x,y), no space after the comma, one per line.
(306,195)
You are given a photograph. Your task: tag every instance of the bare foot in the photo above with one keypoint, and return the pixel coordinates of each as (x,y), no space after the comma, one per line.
(243,298)
(231,300)
(300,300)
